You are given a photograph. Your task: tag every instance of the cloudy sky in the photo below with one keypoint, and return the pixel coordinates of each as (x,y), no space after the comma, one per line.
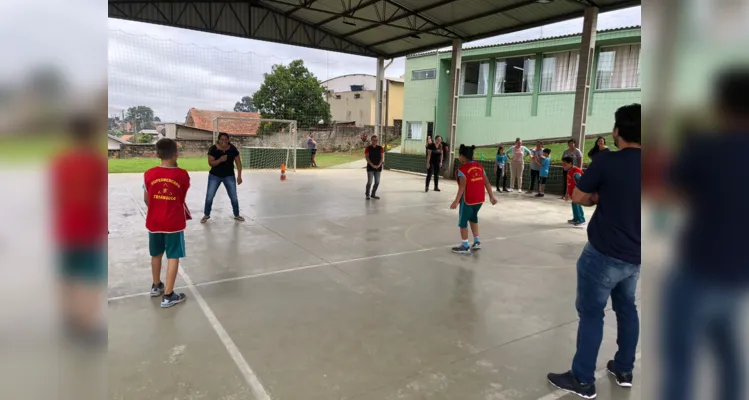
(172,69)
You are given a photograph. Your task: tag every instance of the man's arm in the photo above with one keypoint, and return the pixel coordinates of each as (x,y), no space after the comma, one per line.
(589,184)
(366,156)
(582,198)
(382,160)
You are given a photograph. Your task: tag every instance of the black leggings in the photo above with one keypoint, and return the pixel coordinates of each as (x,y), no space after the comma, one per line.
(504,179)
(534,178)
(434,169)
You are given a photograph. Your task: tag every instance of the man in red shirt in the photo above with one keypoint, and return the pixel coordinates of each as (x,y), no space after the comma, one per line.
(79,199)
(573,175)
(473,182)
(165,192)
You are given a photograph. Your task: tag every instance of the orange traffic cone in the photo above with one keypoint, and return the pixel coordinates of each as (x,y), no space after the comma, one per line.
(283,172)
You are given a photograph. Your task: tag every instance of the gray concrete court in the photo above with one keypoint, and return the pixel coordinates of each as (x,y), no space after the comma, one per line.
(321,294)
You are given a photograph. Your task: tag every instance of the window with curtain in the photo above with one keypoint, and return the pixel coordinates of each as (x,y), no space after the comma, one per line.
(414,130)
(618,67)
(514,75)
(559,71)
(475,78)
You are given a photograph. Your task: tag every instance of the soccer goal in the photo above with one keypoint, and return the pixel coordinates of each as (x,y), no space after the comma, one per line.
(268,144)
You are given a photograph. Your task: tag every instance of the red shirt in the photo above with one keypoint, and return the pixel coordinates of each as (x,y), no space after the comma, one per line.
(79,196)
(571,185)
(475,190)
(167,190)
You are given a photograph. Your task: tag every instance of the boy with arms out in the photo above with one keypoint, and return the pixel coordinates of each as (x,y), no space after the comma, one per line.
(165,192)
(573,176)
(472,184)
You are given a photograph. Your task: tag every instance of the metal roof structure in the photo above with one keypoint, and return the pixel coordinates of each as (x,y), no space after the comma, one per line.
(374,28)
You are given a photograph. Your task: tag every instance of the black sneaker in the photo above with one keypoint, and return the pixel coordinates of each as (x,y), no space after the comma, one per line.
(437,189)
(367,196)
(157,290)
(623,379)
(476,246)
(172,300)
(571,221)
(375,197)
(540,195)
(426,189)
(579,224)
(461,249)
(506,190)
(568,383)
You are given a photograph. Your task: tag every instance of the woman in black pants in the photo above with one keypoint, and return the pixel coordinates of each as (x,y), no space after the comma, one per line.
(435,156)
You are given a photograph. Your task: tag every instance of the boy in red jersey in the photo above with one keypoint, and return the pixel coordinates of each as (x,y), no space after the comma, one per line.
(573,175)
(79,191)
(472,185)
(165,192)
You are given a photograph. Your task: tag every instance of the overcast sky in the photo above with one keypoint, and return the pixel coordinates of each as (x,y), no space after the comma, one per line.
(171,69)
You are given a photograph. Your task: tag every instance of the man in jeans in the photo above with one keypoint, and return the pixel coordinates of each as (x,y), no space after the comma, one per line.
(375,155)
(610,262)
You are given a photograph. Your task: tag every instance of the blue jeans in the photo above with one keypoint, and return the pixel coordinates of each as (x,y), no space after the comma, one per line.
(577,213)
(230,183)
(598,277)
(698,312)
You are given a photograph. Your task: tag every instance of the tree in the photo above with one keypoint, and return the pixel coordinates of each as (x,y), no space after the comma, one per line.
(156,119)
(141,116)
(245,105)
(293,93)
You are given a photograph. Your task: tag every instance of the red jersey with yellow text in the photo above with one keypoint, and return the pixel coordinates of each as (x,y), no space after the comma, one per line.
(79,194)
(475,189)
(167,190)
(571,184)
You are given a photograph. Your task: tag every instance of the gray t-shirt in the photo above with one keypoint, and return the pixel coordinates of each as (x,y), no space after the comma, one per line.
(311,143)
(534,165)
(577,157)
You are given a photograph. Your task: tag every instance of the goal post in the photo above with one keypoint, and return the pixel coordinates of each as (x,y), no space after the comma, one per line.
(268,142)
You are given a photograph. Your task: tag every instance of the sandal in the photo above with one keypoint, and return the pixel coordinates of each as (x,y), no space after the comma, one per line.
(204,219)
(239,218)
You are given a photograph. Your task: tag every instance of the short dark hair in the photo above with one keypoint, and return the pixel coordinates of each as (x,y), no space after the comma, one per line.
(567,159)
(731,89)
(166,148)
(547,151)
(517,139)
(627,120)
(573,141)
(224,134)
(373,137)
(466,151)
(539,142)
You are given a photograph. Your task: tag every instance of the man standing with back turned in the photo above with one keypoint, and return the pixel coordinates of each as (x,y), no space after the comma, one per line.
(610,262)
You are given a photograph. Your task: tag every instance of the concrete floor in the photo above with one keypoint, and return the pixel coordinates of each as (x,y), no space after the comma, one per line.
(321,294)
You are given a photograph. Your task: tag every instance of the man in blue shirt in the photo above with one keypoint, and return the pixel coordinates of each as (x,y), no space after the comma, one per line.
(609,265)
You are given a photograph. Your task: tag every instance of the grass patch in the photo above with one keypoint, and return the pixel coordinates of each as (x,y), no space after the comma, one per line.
(556,151)
(326,160)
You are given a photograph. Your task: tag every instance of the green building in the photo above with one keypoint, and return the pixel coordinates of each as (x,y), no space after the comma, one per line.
(521,89)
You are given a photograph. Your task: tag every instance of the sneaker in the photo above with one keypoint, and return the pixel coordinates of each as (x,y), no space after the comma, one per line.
(476,246)
(540,195)
(437,190)
(375,197)
(580,224)
(367,197)
(509,190)
(571,221)
(568,383)
(173,300)
(505,190)
(426,190)
(623,379)
(520,190)
(461,249)
(157,290)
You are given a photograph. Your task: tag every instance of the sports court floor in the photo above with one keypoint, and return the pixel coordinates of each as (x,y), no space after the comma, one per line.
(321,294)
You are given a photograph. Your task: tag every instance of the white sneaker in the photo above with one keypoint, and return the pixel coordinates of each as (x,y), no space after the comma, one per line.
(510,190)
(520,190)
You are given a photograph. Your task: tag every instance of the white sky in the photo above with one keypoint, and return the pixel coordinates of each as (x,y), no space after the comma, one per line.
(171,69)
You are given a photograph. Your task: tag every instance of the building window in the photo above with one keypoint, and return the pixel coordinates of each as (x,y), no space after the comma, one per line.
(357,95)
(475,78)
(514,75)
(559,71)
(414,130)
(338,97)
(423,74)
(618,67)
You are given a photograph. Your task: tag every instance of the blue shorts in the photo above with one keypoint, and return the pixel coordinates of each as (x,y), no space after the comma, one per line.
(173,244)
(87,264)
(468,213)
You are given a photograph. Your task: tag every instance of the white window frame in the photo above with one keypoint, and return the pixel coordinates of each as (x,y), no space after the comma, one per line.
(574,85)
(496,90)
(604,49)
(426,74)
(463,75)
(409,133)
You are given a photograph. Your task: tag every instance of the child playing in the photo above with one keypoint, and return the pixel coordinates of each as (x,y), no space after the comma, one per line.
(573,176)
(165,190)
(501,161)
(543,172)
(473,182)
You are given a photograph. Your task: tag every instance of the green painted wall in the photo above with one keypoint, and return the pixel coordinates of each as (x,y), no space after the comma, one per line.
(490,119)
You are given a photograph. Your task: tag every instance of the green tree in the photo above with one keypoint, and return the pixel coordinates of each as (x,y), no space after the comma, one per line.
(141,116)
(245,105)
(292,92)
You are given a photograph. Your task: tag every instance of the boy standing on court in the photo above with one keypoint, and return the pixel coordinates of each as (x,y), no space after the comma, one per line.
(473,182)
(543,172)
(165,192)
(573,176)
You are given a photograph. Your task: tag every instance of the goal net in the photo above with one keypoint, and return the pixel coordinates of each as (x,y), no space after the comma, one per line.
(263,143)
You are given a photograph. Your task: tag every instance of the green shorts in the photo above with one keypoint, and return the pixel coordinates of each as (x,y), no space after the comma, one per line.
(468,214)
(84,264)
(173,244)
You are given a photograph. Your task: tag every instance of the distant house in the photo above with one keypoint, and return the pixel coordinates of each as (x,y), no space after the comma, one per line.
(155,134)
(204,120)
(114,145)
(127,138)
